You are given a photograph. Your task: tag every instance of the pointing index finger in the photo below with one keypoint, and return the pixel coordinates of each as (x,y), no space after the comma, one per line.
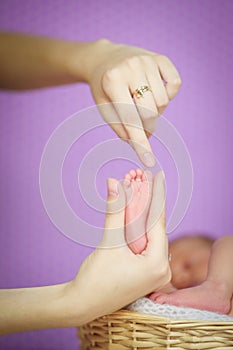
(131,120)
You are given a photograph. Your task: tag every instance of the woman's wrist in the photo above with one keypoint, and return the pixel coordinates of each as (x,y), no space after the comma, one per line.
(72,308)
(82,59)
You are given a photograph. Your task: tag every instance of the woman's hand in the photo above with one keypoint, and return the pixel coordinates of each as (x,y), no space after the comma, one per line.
(114,72)
(108,279)
(112,276)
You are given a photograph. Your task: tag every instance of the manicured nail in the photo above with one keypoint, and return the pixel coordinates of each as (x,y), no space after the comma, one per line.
(112,188)
(148,159)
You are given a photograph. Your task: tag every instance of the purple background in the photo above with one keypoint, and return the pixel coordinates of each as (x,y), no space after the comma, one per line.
(197,36)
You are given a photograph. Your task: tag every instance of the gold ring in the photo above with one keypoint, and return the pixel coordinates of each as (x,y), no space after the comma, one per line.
(140,91)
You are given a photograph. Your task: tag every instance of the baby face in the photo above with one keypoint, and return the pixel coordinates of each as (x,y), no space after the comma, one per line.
(189,263)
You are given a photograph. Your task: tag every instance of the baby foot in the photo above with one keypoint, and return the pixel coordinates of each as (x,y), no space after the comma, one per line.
(138,188)
(167,289)
(205,297)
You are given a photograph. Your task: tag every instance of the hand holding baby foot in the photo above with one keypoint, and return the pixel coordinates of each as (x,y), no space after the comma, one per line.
(138,190)
(207,296)
(117,275)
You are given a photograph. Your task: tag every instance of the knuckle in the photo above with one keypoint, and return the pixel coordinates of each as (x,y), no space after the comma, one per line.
(133,62)
(176,82)
(109,77)
(129,123)
(162,58)
(164,271)
(147,58)
(108,216)
(150,119)
(140,140)
(149,116)
(163,103)
(132,129)
(148,112)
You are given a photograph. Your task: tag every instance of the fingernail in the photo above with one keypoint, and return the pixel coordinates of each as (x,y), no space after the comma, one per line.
(148,159)
(126,183)
(112,188)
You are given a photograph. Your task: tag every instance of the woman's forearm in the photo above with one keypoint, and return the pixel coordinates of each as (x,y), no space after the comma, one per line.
(35,308)
(28,62)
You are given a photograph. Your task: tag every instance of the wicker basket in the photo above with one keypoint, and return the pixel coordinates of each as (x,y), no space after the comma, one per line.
(131,330)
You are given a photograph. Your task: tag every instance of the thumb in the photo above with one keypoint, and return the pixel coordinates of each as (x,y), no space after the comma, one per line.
(156,222)
(113,235)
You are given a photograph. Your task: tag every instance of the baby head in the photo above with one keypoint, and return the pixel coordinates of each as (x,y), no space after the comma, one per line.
(189,263)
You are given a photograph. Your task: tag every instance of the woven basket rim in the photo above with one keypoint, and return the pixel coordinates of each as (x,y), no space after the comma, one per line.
(127,329)
(134,315)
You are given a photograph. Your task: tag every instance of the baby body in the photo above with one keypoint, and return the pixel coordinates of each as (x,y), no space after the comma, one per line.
(202,275)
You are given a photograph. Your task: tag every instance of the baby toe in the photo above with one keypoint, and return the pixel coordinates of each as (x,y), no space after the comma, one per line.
(139,172)
(133,174)
(154,296)
(127,179)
